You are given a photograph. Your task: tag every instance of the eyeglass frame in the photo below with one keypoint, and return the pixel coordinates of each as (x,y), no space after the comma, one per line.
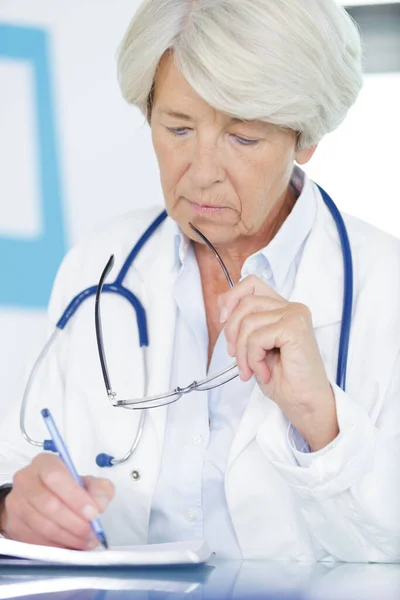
(178,392)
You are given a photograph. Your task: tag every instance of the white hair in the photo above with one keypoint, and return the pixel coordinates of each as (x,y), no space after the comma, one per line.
(294,63)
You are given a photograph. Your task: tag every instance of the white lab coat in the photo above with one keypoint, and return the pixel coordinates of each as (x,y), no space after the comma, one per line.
(345,505)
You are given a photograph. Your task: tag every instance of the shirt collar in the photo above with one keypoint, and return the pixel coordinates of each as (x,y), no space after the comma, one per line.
(182,246)
(281,252)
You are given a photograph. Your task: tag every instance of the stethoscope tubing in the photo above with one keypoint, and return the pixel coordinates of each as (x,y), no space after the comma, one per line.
(348,282)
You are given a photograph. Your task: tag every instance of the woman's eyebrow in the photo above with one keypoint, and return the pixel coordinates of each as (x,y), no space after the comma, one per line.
(173,113)
(184,117)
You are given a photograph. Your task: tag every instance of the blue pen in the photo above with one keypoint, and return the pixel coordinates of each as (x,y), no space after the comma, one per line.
(59,446)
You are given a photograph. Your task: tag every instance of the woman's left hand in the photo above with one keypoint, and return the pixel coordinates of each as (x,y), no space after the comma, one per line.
(274,340)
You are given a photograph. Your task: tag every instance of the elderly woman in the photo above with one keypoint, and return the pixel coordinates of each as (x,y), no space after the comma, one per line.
(294,457)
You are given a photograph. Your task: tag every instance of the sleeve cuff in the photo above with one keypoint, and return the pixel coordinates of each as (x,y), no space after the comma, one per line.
(302,451)
(331,470)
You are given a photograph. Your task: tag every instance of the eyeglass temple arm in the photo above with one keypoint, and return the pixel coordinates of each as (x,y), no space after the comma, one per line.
(209,244)
(97,315)
(99,331)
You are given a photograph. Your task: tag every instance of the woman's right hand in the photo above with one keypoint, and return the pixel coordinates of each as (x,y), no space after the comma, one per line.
(47,506)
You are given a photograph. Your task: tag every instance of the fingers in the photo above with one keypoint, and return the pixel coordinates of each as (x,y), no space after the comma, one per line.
(250,286)
(250,326)
(262,351)
(41,500)
(101,490)
(55,476)
(47,506)
(241,316)
(259,328)
(33,527)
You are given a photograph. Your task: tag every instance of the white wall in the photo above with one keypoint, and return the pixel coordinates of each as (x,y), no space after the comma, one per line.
(358,163)
(102,145)
(105,160)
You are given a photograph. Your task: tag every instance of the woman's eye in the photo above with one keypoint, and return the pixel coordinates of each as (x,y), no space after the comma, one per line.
(244,141)
(178,131)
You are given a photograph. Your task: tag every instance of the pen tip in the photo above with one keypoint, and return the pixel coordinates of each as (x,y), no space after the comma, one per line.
(103,540)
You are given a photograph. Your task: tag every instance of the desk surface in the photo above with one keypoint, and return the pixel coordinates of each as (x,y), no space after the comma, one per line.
(218,579)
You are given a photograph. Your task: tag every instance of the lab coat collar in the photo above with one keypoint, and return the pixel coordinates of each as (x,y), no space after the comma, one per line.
(286,246)
(319,280)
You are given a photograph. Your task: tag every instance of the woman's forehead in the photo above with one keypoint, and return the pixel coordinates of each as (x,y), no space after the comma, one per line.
(174,97)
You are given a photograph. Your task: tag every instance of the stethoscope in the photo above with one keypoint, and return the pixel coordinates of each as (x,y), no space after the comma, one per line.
(105,460)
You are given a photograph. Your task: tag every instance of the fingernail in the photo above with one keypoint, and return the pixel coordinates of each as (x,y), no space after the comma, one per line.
(224,315)
(103,502)
(90,513)
(231,350)
(241,374)
(92,544)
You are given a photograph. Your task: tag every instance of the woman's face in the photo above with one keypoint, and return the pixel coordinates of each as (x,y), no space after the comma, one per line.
(223,175)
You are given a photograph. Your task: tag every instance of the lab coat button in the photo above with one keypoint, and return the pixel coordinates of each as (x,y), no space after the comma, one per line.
(198,440)
(191,515)
(135,475)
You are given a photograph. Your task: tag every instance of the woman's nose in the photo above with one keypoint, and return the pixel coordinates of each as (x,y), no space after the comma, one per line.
(206,166)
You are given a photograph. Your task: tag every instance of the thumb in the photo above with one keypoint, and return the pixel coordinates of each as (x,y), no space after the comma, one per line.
(101,490)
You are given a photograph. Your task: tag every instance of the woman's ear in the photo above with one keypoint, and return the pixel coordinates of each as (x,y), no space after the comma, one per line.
(303,156)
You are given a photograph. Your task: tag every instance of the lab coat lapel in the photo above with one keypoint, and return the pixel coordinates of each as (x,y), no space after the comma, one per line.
(319,281)
(156,268)
(319,285)
(256,412)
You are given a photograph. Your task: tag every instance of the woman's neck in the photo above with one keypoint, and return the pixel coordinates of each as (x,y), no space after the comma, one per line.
(234,255)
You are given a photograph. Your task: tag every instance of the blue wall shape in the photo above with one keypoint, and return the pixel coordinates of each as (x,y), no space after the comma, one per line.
(28,267)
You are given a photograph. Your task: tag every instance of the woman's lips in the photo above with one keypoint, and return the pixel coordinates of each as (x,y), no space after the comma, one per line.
(204,209)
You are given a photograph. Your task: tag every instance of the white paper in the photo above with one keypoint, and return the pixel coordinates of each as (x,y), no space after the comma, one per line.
(177,553)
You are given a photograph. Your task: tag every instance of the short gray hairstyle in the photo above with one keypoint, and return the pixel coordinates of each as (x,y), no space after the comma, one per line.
(293,63)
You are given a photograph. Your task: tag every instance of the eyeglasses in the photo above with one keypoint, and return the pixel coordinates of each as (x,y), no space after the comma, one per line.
(209,383)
